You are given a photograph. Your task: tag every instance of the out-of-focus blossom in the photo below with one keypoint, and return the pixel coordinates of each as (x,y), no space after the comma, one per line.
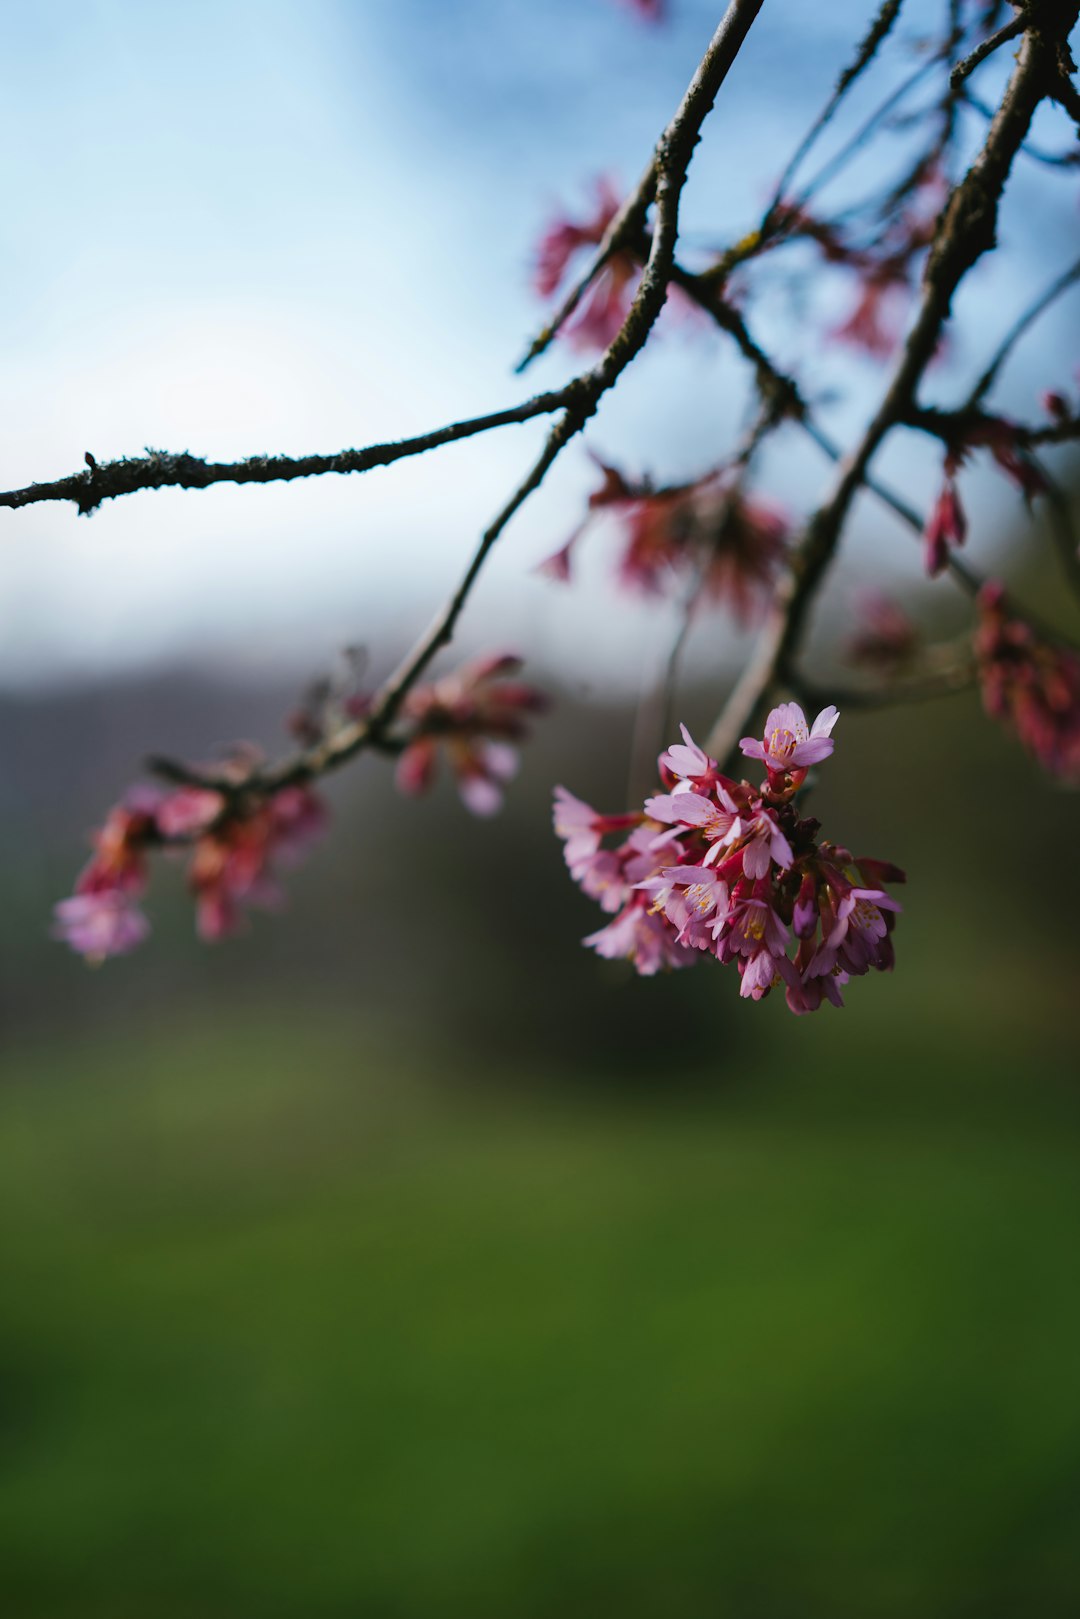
(638,936)
(716,867)
(118,864)
(947,524)
(99,924)
(471,716)
(1029,685)
(710,528)
(883,261)
(234,863)
(653,11)
(1003,439)
(606,301)
(102,918)
(946,527)
(235,847)
(885,637)
(187,811)
(875,321)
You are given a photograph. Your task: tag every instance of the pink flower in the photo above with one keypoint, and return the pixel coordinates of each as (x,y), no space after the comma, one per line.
(717,819)
(733,871)
(297,820)
(188,810)
(102,917)
(605,875)
(104,923)
(685,760)
(751,924)
(945,528)
(708,529)
(653,11)
(875,322)
(787,744)
(693,898)
(806,994)
(763,844)
(233,863)
(640,937)
(1029,684)
(579,826)
(606,302)
(1002,438)
(858,937)
(119,859)
(471,715)
(1056,405)
(886,638)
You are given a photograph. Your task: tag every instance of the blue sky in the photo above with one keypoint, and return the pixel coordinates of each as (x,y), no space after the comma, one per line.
(241,227)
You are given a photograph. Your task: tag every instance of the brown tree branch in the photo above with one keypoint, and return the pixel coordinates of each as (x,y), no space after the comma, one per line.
(966,232)
(671,162)
(985,48)
(158,469)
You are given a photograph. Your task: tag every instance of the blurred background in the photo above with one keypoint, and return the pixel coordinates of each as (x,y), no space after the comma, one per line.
(400,1257)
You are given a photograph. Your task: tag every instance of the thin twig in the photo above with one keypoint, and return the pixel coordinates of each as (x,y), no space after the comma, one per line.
(986,48)
(864,55)
(1031,314)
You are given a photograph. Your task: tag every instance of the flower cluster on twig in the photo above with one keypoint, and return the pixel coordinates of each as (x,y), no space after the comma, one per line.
(718,867)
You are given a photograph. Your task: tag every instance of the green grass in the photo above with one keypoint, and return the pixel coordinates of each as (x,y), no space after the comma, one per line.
(287,1332)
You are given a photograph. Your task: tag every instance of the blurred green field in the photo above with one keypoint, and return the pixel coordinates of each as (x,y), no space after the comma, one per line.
(288,1329)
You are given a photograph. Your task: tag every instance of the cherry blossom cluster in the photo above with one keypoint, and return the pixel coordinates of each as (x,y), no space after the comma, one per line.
(1030,685)
(708,530)
(472,717)
(236,840)
(235,848)
(718,867)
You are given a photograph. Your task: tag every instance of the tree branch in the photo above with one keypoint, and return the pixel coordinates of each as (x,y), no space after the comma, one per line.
(986,48)
(671,162)
(966,232)
(158,469)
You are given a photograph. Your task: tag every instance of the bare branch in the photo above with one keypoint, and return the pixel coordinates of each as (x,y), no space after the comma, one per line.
(986,48)
(158,469)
